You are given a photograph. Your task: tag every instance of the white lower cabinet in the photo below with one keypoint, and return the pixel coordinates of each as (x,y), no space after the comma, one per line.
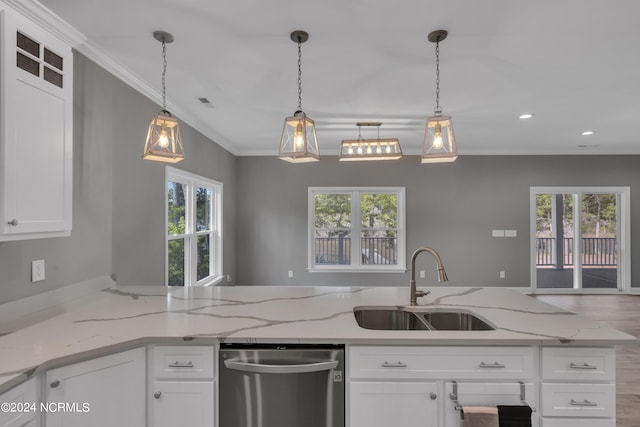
(103,392)
(578,387)
(181,386)
(180,403)
(23,407)
(415,385)
(383,404)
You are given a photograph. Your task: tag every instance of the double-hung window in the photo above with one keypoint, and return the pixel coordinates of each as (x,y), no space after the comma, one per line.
(356,229)
(194,229)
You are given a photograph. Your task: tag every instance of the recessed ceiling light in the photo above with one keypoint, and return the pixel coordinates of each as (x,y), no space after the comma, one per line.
(588,132)
(525,116)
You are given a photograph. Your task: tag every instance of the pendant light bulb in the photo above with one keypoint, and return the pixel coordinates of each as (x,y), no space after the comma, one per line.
(163,138)
(437,137)
(299,137)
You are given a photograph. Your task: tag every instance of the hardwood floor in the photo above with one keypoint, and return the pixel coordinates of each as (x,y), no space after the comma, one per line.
(621,312)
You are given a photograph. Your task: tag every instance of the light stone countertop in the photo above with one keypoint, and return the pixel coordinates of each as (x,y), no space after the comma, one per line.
(120,318)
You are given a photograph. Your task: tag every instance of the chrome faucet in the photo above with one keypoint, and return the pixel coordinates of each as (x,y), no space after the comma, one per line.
(442,275)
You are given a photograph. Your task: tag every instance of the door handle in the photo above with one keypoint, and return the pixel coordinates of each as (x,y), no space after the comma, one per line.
(178,364)
(393,365)
(494,365)
(584,366)
(583,403)
(260,368)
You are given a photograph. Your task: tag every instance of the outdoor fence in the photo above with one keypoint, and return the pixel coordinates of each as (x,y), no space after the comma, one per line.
(374,250)
(596,251)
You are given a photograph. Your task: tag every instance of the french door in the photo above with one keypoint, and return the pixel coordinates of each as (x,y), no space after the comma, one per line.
(579,239)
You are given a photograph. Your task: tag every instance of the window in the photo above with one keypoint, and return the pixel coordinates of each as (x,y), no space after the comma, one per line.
(580,239)
(194,229)
(356,229)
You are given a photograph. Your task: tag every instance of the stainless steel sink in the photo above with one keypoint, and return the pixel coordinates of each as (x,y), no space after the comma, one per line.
(401,319)
(389,319)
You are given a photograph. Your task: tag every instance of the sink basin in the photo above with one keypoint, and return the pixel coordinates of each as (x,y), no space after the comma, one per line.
(455,321)
(400,319)
(389,319)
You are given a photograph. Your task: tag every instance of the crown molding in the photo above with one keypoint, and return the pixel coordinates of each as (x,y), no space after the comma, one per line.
(45,18)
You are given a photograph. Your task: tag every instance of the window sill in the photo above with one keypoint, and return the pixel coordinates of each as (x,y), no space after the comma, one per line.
(356,270)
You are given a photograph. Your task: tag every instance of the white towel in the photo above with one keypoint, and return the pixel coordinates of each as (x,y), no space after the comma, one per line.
(480,416)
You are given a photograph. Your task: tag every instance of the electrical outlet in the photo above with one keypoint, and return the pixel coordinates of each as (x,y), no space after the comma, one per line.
(290,273)
(422,274)
(502,274)
(37,270)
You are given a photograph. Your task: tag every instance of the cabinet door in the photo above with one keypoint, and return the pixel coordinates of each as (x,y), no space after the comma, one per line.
(182,403)
(17,415)
(36,134)
(384,404)
(104,392)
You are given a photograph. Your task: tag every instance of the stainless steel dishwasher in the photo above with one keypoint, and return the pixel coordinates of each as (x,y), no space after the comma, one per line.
(281,386)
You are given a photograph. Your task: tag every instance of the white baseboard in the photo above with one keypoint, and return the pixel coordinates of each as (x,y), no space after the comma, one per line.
(27,311)
(635,291)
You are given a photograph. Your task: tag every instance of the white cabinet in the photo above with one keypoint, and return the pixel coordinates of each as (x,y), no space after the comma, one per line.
(103,392)
(578,386)
(383,404)
(413,385)
(36,107)
(182,386)
(23,408)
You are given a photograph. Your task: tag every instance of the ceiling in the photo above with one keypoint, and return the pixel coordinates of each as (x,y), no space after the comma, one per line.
(575,64)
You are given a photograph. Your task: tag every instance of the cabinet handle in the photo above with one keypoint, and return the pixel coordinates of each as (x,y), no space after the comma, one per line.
(494,365)
(157,394)
(584,366)
(433,396)
(54,384)
(13,222)
(178,364)
(393,365)
(583,403)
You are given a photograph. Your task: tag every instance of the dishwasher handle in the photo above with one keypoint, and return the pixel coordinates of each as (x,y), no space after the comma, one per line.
(260,368)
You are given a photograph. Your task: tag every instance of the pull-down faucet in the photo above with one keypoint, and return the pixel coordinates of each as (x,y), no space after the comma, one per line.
(442,275)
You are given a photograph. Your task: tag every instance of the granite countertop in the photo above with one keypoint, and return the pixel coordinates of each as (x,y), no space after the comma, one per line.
(125,317)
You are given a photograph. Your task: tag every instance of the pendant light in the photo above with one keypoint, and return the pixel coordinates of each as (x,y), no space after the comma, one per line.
(164,141)
(370,149)
(299,143)
(439,142)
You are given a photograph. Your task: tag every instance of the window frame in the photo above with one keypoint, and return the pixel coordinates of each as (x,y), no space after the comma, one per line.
(356,231)
(193,181)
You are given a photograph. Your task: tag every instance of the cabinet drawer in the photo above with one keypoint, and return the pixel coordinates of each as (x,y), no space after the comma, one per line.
(582,422)
(183,362)
(441,362)
(587,364)
(579,400)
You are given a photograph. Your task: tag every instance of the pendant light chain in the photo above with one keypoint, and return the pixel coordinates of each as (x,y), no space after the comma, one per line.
(438,110)
(299,75)
(164,73)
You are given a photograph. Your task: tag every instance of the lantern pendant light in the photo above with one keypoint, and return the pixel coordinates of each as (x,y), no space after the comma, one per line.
(299,143)
(439,142)
(164,141)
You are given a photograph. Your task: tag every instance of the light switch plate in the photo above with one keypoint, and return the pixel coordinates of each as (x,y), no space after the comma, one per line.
(37,270)
(497,233)
(510,233)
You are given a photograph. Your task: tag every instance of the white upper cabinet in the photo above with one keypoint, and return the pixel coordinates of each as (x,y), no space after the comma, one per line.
(36,108)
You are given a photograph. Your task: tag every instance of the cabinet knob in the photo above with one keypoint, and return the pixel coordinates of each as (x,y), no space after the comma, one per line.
(157,394)
(54,384)
(13,222)
(433,396)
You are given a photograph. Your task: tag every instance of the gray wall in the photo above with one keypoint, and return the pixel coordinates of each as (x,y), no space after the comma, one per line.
(451,207)
(118,198)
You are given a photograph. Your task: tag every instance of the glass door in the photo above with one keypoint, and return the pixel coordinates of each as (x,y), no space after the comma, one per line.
(578,238)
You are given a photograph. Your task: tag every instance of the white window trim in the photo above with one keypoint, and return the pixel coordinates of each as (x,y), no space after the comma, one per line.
(624,249)
(356,231)
(191,180)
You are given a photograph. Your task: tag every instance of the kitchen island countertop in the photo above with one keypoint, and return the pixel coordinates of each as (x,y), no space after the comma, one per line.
(124,317)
